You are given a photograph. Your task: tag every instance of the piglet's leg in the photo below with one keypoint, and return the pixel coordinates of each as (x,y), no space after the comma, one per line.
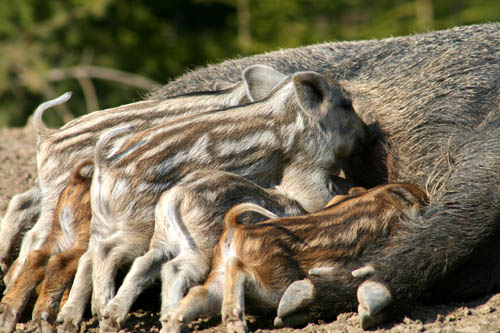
(200,301)
(192,215)
(178,275)
(60,272)
(233,306)
(23,210)
(109,254)
(34,239)
(70,315)
(142,274)
(17,296)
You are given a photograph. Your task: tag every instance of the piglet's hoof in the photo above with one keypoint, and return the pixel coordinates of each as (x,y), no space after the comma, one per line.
(373,298)
(108,324)
(296,298)
(172,324)
(65,325)
(43,320)
(235,323)
(3,267)
(45,327)
(8,318)
(236,326)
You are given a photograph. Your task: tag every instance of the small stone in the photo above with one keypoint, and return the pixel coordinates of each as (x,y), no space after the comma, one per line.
(440,318)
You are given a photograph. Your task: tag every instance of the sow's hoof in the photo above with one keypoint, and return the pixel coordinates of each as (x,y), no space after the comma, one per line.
(294,320)
(373,298)
(292,310)
(296,298)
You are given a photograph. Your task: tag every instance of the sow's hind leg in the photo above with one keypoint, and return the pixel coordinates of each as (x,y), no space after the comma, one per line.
(460,223)
(453,244)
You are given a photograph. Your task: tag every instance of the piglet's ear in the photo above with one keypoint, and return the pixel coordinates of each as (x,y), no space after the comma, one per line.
(260,80)
(222,85)
(357,190)
(311,90)
(404,197)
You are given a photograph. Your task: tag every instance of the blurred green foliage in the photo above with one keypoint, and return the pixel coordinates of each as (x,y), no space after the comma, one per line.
(49,47)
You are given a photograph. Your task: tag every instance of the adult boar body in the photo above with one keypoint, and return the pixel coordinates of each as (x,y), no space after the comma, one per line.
(433,102)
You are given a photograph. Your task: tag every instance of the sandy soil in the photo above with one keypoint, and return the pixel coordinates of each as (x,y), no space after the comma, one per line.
(18,173)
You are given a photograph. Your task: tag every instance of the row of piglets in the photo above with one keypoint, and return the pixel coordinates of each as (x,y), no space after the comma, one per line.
(165,173)
(58,150)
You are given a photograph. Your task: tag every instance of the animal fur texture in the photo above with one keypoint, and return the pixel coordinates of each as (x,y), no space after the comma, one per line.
(53,266)
(57,149)
(341,233)
(432,102)
(293,140)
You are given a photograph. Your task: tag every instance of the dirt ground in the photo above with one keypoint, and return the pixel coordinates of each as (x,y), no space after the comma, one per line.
(18,173)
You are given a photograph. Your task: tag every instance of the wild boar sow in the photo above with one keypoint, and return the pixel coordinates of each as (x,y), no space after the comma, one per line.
(432,102)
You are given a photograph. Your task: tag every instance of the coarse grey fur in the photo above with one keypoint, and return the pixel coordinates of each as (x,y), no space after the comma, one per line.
(432,100)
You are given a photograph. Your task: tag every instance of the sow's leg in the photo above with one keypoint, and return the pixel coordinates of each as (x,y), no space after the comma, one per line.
(449,253)
(461,222)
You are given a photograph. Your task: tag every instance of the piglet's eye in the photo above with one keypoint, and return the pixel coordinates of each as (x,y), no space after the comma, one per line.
(346,103)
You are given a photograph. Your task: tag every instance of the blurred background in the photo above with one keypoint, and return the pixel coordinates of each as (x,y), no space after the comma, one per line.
(112,52)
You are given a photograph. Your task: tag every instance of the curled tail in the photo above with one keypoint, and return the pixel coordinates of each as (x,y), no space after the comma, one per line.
(99,155)
(40,127)
(75,175)
(231,218)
